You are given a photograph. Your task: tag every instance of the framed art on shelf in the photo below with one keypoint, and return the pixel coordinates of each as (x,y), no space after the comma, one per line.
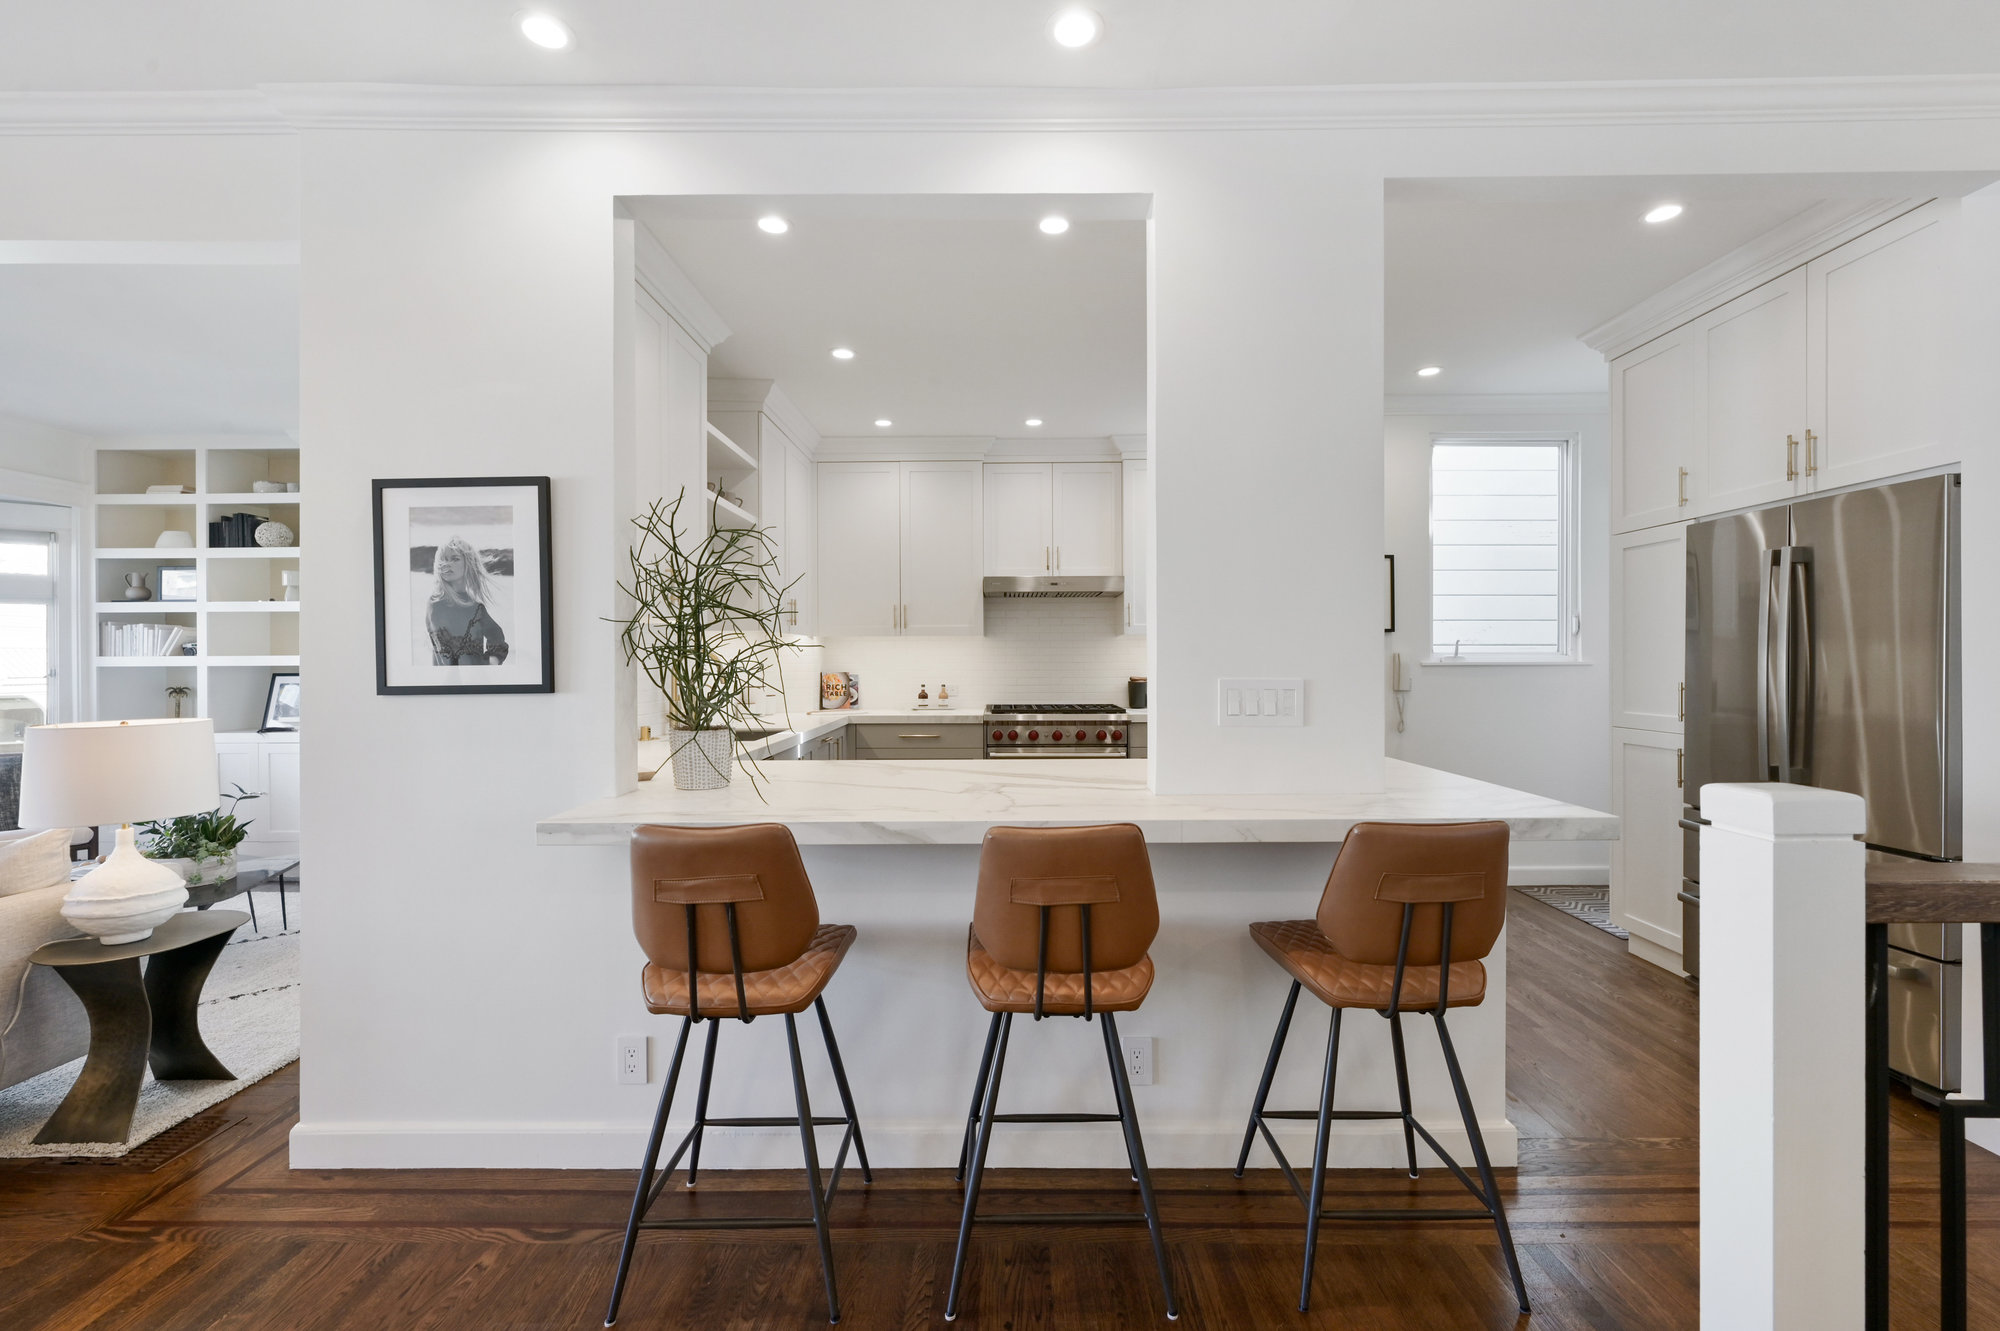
(178,582)
(463,597)
(281,705)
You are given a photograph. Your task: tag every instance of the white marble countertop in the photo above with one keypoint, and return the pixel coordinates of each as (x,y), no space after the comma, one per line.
(945,802)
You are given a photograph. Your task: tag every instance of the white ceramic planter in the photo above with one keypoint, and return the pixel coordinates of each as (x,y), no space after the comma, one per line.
(703,759)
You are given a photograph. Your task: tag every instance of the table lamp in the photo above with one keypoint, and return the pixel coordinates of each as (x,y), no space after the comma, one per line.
(94,772)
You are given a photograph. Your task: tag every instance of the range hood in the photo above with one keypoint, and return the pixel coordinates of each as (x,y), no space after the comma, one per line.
(1054,586)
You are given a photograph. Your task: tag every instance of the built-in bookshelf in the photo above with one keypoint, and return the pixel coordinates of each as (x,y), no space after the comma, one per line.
(242,628)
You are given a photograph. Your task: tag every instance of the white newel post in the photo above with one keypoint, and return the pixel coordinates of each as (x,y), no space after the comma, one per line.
(1783,1000)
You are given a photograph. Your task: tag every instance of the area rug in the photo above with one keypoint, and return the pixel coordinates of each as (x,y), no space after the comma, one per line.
(249,1017)
(1591,904)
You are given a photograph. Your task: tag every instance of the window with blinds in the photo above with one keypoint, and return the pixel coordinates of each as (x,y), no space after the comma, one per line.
(1502,547)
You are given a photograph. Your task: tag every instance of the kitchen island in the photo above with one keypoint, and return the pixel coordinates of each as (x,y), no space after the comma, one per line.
(893,849)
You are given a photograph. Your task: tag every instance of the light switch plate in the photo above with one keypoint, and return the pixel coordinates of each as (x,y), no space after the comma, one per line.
(1260,702)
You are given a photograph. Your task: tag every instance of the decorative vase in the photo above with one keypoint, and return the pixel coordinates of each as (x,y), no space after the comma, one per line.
(125,898)
(136,588)
(272,535)
(702,758)
(203,872)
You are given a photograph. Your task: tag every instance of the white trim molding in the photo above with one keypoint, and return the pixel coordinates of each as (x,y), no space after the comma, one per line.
(206,253)
(1131,447)
(1823,227)
(1496,404)
(960,448)
(243,111)
(770,399)
(665,282)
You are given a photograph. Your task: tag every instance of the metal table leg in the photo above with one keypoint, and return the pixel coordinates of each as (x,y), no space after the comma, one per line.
(173,990)
(1876,1155)
(99,1107)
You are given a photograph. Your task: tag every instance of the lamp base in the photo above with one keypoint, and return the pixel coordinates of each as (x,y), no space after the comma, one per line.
(125,898)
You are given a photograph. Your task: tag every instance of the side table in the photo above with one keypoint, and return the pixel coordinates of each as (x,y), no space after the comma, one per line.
(136,1017)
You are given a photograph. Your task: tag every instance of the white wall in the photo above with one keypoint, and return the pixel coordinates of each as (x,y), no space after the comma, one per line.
(29,448)
(1032,651)
(1540,728)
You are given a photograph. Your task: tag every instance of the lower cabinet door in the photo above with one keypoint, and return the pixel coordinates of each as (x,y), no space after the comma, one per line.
(1646,775)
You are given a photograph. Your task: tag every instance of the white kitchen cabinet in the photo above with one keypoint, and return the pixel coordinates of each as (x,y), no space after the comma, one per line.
(801,542)
(1089,498)
(941,522)
(1880,350)
(1656,420)
(1648,627)
(1646,769)
(1752,449)
(860,548)
(1061,517)
(1138,533)
(1020,519)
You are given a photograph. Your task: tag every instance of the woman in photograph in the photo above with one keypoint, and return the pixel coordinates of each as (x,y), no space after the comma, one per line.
(463,631)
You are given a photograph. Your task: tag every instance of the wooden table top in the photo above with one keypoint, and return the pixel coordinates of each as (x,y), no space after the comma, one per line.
(1915,892)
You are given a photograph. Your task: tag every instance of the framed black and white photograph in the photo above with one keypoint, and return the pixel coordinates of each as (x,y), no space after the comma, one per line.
(177,582)
(281,705)
(463,597)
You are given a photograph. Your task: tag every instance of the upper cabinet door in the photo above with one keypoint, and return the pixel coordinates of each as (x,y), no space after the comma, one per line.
(941,548)
(1648,627)
(1880,340)
(1019,520)
(1754,349)
(1138,534)
(860,548)
(801,541)
(1088,499)
(1656,418)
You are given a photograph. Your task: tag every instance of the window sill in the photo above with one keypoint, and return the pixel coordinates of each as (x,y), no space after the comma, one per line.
(1505,661)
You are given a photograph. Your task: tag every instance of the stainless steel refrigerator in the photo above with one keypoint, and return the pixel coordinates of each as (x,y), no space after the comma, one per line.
(1823,649)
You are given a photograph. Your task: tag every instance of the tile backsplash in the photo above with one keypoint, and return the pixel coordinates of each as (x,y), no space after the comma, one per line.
(1032,651)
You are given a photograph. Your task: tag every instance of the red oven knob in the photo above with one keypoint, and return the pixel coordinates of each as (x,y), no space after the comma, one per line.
(1118,734)
(999,734)
(1034,734)
(1013,734)
(1055,734)
(1100,736)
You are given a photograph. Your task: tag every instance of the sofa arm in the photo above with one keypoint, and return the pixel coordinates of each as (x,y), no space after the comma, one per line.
(27,920)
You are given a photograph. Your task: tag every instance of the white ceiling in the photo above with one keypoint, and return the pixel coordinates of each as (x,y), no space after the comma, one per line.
(150,349)
(1493,280)
(148,44)
(964,318)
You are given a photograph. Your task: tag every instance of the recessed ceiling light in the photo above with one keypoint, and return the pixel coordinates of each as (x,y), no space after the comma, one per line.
(545,30)
(1076,27)
(843,353)
(1054,226)
(773,225)
(1033,422)
(1430,371)
(1666,212)
(884,423)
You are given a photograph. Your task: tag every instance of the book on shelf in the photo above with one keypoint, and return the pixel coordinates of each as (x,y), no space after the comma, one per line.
(116,639)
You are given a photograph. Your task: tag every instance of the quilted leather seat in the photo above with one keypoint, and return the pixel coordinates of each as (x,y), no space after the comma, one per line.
(1308,956)
(1003,988)
(788,988)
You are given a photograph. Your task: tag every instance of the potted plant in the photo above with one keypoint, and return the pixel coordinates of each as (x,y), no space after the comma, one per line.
(707,628)
(202,846)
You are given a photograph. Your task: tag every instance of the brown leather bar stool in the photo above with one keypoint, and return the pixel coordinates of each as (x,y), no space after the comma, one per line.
(731,929)
(1060,927)
(1401,899)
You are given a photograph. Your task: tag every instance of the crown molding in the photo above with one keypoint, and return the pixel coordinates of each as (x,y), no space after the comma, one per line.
(767,397)
(963,448)
(1496,404)
(1823,227)
(1131,447)
(248,111)
(664,281)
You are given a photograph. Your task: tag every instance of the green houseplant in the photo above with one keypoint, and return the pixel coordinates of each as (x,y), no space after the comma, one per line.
(202,846)
(707,628)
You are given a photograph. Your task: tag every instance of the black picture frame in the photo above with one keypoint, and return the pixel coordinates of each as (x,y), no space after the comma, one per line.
(1390,626)
(273,722)
(160,572)
(542,642)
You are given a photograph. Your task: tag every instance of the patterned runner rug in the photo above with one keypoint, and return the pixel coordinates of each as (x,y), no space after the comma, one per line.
(1591,904)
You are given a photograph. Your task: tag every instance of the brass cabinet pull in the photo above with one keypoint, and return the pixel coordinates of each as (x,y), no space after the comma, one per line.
(1046,564)
(1791,458)
(1812,453)
(1680,769)
(1058,559)
(1684,701)
(1684,488)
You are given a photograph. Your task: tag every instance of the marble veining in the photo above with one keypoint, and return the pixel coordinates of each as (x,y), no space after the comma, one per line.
(945,802)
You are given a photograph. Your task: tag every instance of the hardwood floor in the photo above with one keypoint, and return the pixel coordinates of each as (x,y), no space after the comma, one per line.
(1604,1207)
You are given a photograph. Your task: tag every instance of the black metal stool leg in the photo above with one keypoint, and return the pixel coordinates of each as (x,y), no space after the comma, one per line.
(978,1094)
(701,1101)
(1114,1052)
(1270,1070)
(284,916)
(640,1195)
(250,900)
(1403,1089)
(1479,1158)
(812,1168)
(1004,1028)
(1135,1150)
(1318,1191)
(846,1096)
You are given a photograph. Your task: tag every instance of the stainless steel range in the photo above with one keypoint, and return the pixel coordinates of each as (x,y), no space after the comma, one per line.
(1055,730)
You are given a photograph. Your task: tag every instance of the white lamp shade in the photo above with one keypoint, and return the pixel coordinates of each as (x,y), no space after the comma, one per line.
(96,772)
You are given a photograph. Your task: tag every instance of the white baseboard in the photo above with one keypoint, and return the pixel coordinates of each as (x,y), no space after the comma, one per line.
(891,1144)
(1664,958)
(1558,875)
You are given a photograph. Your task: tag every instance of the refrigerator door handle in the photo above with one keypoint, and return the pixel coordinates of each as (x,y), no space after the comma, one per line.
(1773,640)
(1799,702)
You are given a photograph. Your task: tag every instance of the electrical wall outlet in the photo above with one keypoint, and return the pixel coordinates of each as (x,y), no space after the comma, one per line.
(1138,1058)
(632,1064)
(1260,702)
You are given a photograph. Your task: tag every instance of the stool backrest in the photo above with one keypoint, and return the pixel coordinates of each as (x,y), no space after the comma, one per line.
(1024,869)
(1384,867)
(751,872)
